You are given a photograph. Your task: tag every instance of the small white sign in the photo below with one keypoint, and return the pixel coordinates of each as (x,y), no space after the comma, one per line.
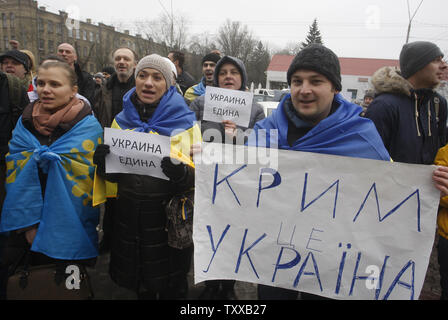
(136,152)
(224,104)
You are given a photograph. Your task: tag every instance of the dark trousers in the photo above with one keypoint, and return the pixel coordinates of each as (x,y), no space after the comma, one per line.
(3,236)
(442,252)
(3,268)
(275,293)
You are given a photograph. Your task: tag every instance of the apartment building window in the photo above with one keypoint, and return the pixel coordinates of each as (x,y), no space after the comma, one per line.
(70,32)
(11,20)
(50,46)
(59,28)
(4,20)
(98,38)
(6,42)
(92,37)
(84,35)
(85,52)
(50,27)
(40,24)
(41,44)
(77,32)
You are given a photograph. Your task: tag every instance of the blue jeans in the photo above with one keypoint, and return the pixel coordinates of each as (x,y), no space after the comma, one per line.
(442,252)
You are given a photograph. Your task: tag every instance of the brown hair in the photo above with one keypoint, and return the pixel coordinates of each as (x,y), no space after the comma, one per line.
(63,65)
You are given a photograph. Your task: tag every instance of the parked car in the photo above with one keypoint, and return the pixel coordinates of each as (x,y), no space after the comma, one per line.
(264,92)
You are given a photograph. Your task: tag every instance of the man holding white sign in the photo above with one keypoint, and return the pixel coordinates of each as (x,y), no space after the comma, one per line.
(316,118)
(230,81)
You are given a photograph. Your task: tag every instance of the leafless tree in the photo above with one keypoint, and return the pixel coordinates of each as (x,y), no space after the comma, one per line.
(202,44)
(167,29)
(235,39)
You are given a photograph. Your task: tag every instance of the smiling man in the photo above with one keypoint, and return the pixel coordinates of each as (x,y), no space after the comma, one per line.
(316,118)
(209,62)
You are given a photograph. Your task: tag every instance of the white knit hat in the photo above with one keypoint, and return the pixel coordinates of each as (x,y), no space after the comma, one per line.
(154,61)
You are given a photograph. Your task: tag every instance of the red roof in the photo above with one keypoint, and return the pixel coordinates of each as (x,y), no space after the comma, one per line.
(349,66)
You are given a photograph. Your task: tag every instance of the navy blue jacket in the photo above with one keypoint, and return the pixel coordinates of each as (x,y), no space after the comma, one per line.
(411,123)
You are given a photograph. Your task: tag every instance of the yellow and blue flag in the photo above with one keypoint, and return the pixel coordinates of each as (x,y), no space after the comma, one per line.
(64,213)
(171,118)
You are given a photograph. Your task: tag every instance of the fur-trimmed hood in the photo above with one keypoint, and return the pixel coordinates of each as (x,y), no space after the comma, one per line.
(389,80)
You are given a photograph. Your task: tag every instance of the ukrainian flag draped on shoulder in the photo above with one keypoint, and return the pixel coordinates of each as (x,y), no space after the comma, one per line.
(343,133)
(171,118)
(64,214)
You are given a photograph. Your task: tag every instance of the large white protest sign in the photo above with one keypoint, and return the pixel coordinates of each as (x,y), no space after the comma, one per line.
(136,152)
(224,104)
(339,227)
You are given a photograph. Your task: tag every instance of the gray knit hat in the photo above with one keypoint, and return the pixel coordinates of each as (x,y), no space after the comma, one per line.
(416,55)
(154,61)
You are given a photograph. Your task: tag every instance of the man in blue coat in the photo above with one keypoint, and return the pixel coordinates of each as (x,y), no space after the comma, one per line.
(316,118)
(409,114)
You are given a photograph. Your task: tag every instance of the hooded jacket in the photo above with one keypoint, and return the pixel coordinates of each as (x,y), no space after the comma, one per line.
(412,123)
(197,105)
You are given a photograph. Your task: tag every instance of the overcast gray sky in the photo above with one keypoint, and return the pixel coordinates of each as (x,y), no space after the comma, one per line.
(351,28)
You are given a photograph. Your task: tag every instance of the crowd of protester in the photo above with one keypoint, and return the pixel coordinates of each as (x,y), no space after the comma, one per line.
(52,119)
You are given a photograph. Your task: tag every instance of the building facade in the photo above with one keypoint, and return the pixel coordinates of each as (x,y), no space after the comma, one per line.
(356,74)
(41,31)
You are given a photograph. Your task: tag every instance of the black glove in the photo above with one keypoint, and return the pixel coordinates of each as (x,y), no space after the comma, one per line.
(99,157)
(176,172)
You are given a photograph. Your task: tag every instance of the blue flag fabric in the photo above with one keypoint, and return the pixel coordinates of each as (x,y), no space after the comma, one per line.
(200,88)
(172,113)
(67,221)
(343,133)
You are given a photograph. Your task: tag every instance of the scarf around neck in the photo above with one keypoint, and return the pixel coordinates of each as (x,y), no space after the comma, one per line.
(45,121)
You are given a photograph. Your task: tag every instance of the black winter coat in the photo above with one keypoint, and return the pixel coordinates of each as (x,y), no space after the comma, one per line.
(141,259)
(412,123)
(86,84)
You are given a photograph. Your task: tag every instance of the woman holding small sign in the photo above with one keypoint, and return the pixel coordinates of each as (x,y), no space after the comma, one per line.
(230,73)
(141,257)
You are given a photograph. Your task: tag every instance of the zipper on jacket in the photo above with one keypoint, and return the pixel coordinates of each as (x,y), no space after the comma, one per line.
(417,115)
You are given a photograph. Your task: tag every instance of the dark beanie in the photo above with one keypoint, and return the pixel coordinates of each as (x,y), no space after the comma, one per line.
(416,55)
(18,56)
(320,59)
(211,57)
